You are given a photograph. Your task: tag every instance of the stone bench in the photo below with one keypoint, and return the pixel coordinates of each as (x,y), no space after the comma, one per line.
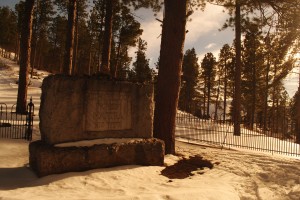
(46,159)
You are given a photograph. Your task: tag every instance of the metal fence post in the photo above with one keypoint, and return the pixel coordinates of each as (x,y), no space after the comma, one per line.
(30,109)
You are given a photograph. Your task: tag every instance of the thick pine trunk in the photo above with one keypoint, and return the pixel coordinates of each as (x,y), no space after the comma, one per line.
(170,64)
(68,60)
(25,44)
(105,62)
(237,80)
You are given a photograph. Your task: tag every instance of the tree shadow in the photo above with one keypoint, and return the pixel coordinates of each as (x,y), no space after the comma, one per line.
(184,168)
(12,178)
(24,177)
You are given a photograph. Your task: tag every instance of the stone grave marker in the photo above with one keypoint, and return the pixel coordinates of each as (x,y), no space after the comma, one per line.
(75,109)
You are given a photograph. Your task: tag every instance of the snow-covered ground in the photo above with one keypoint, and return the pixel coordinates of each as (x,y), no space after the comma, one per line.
(236,174)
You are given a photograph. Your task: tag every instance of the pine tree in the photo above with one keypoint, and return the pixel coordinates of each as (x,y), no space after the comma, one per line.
(168,83)
(68,60)
(43,15)
(8,29)
(96,32)
(252,74)
(57,38)
(141,69)
(107,42)
(25,56)
(20,10)
(278,16)
(226,66)
(208,74)
(126,31)
(237,78)
(189,81)
(80,26)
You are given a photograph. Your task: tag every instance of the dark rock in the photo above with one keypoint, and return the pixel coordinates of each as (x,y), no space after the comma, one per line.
(48,159)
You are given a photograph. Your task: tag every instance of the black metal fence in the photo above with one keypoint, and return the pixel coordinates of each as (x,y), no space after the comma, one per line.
(14,125)
(220,132)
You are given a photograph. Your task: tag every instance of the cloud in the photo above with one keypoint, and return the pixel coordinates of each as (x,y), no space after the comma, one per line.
(209,46)
(203,31)
(205,22)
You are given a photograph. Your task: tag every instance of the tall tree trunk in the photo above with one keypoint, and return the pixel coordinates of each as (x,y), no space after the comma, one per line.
(298,114)
(36,39)
(170,65)
(101,35)
(34,58)
(26,34)
(114,69)
(105,62)
(90,61)
(266,94)
(273,102)
(237,80)
(39,52)
(253,110)
(74,68)
(217,99)
(16,47)
(68,58)
(225,92)
(204,98)
(208,96)
(297,128)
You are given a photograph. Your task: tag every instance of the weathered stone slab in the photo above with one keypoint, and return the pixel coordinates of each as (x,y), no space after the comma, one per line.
(80,108)
(48,159)
(109,112)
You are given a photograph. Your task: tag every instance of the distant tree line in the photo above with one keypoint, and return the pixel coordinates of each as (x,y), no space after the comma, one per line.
(49,38)
(207,88)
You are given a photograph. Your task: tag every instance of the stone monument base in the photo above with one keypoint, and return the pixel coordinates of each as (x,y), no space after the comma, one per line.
(48,159)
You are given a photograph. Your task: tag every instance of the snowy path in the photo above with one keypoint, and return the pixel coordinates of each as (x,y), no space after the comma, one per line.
(9,87)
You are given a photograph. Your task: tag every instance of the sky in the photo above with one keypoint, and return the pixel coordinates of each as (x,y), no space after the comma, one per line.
(203,35)
(203,31)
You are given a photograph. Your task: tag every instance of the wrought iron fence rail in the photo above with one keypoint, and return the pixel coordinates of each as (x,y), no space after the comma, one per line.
(220,132)
(14,125)
(286,152)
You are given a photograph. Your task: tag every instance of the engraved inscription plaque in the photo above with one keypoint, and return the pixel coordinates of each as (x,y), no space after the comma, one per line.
(108,111)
